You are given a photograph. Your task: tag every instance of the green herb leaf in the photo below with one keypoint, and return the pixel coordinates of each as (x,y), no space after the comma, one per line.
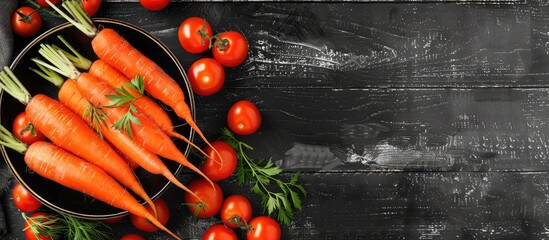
(47,226)
(97,117)
(123,96)
(85,229)
(124,123)
(260,174)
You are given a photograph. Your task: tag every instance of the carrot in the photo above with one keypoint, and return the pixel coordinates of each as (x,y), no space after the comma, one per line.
(71,97)
(68,131)
(145,133)
(144,104)
(65,129)
(148,134)
(115,50)
(58,165)
(116,79)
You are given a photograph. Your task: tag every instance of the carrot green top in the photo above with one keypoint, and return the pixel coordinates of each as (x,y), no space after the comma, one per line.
(79,18)
(12,85)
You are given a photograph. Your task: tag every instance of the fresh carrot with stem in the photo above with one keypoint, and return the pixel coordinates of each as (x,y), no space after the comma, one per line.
(65,129)
(57,164)
(150,136)
(114,78)
(71,97)
(115,50)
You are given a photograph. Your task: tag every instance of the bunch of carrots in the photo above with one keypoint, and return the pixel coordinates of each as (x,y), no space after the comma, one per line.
(102,117)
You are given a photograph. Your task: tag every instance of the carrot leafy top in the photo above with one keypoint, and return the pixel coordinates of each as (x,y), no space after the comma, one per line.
(78,17)
(63,62)
(7,139)
(12,85)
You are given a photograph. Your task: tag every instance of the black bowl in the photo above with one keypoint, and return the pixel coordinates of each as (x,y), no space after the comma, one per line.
(50,193)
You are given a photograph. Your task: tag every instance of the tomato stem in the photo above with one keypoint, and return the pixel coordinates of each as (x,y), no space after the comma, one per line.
(240,222)
(26,18)
(200,206)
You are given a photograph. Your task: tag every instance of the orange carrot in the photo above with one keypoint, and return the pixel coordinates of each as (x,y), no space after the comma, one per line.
(145,133)
(58,165)
(148,134)
(144,104)
(68,131)
(115,50)
(65,129)
(116,79)
(71,97)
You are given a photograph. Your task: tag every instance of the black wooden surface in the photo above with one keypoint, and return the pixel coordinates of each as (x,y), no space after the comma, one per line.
(408,120)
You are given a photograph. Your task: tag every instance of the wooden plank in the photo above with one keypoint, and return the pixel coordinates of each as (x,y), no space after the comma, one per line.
(364,45)
(484,129)
(420,205)
(354,45)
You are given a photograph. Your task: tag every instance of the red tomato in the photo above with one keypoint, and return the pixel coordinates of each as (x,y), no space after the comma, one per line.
(263,228)
(24,200)
(244,118)
(132,236)
(91,6)
(212,167)
(26,21)
(219,232)
(231,49)
(194,35)
(206,76)
(163,215)
(210,198)
(23,130)
(43,3)
(154,5)
(33,222)
(236,211)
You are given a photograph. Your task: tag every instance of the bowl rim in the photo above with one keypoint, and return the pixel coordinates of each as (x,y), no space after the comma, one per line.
(190,100)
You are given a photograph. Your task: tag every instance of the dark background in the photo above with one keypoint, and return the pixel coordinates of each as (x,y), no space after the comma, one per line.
(408,120)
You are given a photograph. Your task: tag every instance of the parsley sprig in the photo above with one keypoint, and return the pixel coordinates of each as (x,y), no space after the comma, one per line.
(56,225)
(260,175)
(97,117)
(123,98)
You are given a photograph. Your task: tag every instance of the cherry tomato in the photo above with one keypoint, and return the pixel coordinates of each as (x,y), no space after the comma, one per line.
(231,49)
(244,118)
(212,167)
(263,228)
(26,21)
(154,5)
(163,215)
(43,3)
(219,232)
(91,6)
(206,76)
(210,198)
(23,130)
(24,200)
(236,211)
(34,221)
(132,236)
(194,35)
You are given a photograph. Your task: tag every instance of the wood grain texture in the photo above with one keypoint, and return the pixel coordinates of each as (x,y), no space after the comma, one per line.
(408,205)
(483,129)
(366,45)
(408,120)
